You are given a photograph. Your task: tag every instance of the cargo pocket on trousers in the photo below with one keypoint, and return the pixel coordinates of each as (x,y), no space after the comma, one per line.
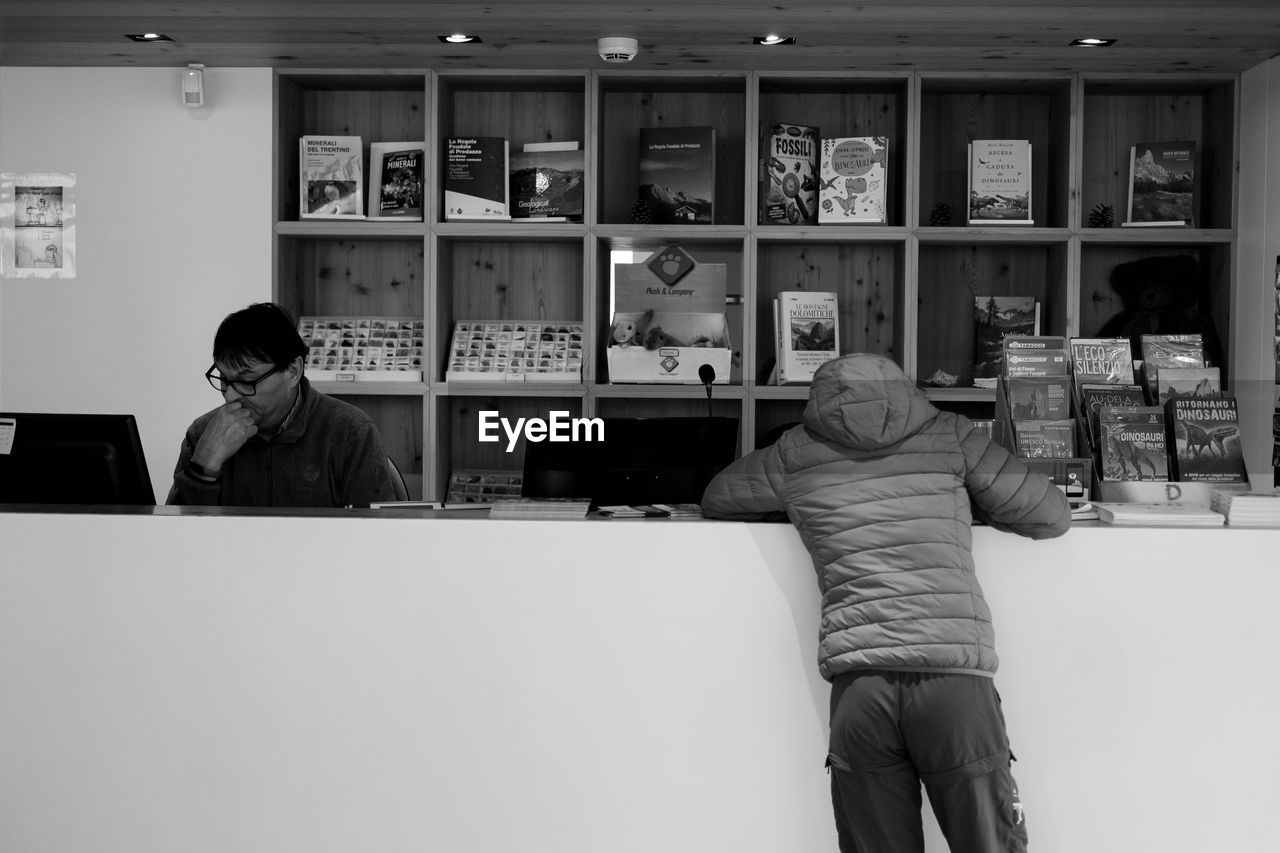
(837,767)
(1014,817)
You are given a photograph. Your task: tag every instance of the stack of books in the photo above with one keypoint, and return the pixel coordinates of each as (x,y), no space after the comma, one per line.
(651,511)
(539,508)
(1247,509)
(1159,515)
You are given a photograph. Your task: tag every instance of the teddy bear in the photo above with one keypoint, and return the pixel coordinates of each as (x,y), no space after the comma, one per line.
(1160,296)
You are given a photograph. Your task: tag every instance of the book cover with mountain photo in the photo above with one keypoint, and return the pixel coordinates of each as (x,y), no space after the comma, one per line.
(994,318)
(678,174)
(547,184)
(1162,184)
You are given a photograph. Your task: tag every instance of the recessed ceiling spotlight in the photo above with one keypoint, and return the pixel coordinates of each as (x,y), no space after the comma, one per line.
(773,39)
(147,37)
(1092,42)
(459,38)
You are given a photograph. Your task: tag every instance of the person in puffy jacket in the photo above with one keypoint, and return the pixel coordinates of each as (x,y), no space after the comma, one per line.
(883,488)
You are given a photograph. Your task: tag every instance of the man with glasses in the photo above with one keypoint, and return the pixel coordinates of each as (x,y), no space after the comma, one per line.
(276,441)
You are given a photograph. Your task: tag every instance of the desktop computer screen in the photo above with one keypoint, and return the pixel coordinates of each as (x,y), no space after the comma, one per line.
(72,459)
(640,461)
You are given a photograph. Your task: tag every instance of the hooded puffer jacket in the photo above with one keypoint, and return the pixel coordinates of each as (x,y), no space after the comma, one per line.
(882,487)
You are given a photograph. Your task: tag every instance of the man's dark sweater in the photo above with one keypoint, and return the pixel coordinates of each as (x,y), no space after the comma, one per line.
(328,454)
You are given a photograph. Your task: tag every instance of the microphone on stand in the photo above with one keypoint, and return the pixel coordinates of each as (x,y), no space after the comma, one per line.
(707,374)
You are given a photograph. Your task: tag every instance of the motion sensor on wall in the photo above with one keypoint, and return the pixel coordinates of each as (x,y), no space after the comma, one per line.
(193,85)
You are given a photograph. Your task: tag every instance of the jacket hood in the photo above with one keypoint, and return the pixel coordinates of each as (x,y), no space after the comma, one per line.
(865,402)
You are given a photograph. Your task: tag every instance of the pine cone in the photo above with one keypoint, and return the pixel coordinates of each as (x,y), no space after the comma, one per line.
(641,213)
(1101,216)
(940,215)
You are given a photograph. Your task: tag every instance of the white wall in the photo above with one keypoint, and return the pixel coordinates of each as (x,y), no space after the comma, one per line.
(173,231)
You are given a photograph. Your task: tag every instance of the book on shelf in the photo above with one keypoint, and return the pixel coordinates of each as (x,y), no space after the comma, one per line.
(515,351)
(995,318)
(1101,361)
(999,177)
(1036,439)
(1162,514)
(395,180)
(1247,509)
(547,183)
(679,510)
(1093,396)
(363,349)
(677,174)
(1037,398)
(330,177)
(1132,443)
(522,508)
(1204,433)
(553,145)
(1173,383)
(1162,184)
(807,326)
(852,180)
(476,186)
(627,511)
(1174,350)
(789,175)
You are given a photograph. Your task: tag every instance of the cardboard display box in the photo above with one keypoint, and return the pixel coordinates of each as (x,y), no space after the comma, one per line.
(669,321)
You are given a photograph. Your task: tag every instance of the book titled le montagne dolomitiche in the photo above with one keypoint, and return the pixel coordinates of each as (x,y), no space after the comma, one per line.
(807,328)
(677,174)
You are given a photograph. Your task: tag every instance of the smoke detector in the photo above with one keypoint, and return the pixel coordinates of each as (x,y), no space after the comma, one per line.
(617,49)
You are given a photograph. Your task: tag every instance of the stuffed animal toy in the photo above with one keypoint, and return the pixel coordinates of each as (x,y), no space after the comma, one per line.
(624,333)
(1161,296)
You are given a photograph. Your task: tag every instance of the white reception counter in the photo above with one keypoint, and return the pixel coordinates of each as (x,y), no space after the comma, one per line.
(342,682)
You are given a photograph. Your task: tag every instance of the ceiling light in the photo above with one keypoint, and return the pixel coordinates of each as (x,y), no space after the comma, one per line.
(459,38)
(1092,42)
(773,39)
(147,37)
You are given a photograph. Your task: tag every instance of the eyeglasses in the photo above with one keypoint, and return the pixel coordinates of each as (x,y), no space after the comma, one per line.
(243,387)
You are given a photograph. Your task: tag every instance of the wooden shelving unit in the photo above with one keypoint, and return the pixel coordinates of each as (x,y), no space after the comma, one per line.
(905,288)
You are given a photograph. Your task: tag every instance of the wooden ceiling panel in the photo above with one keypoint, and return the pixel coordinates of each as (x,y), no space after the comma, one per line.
(1153,36)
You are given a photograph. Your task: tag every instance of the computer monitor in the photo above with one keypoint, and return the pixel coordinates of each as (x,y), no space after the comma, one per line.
(640,461)
(73,459)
